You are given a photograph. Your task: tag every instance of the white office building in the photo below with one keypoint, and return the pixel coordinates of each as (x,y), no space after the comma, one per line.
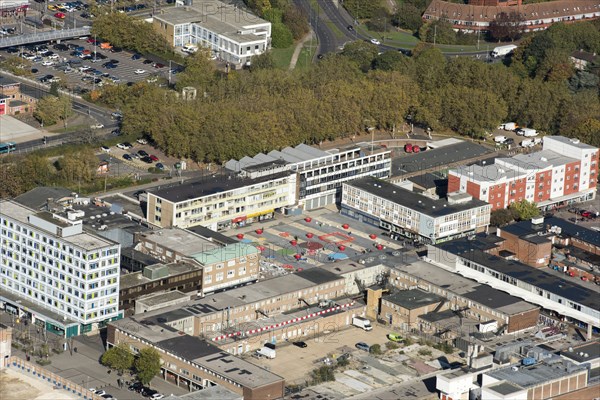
(53,272)
(232,33)
(320,173)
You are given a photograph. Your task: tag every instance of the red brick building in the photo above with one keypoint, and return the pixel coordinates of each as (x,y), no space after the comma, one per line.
(564,172)
(477,15)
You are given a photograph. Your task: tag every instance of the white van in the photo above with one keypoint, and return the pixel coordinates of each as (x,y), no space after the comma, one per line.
(500,139)
(527,143)
(527,132)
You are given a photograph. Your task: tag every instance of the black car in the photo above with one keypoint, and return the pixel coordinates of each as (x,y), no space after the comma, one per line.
(142,153)
(270,346)
(350,28)
(12,50)
(114,61)
(509,141)
(34,70)
(147,392)
(136,56)
(302,345)
(46,78)
(148,61)
(147,160)
(60,46)
(116,50)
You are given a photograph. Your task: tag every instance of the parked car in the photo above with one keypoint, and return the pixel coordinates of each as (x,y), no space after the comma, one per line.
(362,346)
(147,160)
(302,345)
(135,156)
(153,157)
(394,337)
(160,166)
(105,149)
(136,56)
(142,141)
(157,396)
(123,146)
(97,126)
(375,42)
(509,141)
(60,15)
(127,157)
(142,153)
(139,71)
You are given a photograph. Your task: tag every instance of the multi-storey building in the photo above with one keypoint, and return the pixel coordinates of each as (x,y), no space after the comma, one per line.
(232,33)
(320,173)
(405,213)
(478,14)
(220,201)
(5,345)
(577,303)
(563,172)
(55,272)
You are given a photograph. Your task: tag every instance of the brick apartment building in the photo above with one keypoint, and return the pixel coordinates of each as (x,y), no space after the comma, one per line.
(404,307)
(565,171)
(13,101)
(478,14)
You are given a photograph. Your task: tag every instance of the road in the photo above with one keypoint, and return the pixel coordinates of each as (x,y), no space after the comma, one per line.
(328,13)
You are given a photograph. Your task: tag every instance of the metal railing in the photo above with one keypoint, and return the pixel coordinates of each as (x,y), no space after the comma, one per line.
(45,36)
(58,382)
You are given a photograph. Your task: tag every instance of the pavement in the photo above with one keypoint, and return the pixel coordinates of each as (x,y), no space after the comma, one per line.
(83,367)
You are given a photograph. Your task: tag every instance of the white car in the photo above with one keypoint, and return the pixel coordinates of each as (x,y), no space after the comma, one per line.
(122,146)
(375,41)
(105,149)
(139,71)
(47,63)
(98,392)
(97,126)
(142,141)
(157,396)
(54,56)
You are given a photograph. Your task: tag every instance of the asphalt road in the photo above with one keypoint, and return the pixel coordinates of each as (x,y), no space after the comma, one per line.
(326,38)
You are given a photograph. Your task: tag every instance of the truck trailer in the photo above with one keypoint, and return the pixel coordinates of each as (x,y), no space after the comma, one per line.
(502,51)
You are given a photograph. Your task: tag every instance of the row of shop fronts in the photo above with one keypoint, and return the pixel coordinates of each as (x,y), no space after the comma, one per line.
(21,314)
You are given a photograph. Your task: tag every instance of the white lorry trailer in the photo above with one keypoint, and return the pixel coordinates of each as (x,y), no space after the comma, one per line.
(266,352)
(362,323)
(502,51)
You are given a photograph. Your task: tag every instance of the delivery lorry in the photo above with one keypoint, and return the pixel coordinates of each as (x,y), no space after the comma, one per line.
(502,51)
(362,323)
(266,352)
(508,126)
(527,132)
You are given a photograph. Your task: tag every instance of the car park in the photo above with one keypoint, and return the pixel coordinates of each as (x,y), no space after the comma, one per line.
(302,345)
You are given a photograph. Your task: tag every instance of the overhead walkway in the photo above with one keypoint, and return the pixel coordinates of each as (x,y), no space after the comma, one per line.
(46,36)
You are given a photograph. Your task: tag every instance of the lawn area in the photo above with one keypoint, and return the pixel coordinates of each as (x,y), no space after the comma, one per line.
(307,54)
(282,57)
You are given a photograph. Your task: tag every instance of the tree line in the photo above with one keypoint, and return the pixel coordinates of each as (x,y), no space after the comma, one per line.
(243,113)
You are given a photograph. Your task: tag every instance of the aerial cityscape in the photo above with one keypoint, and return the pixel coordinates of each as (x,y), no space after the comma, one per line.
(299,199)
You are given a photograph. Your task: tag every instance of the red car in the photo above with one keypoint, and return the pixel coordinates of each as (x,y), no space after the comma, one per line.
(159,65)
(408,148)
(153,157)
(60,15)
(588,214)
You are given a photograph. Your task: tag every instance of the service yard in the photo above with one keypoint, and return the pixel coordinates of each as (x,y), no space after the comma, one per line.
(364,371)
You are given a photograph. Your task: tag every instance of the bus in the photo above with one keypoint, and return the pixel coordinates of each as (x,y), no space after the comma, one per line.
(8,147)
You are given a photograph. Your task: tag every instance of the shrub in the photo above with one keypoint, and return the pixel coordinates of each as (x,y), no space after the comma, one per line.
(43,362)
(391,346)
(424,352)
(376,349)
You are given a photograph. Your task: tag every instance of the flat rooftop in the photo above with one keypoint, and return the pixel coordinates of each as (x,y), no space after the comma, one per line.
(538,160)
(467,288)
(439,158)
(137,278)
(412,200)
(209,356)
(591,351)
(156,299)
(84,240)
(208,185)
(217,392)
(37,197)
(414,298)
(505,388)
(212,235)
(179,240)
(525,273)
(534,375)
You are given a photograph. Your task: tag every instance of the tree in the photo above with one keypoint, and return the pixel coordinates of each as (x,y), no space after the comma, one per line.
(118,357)
(147,365)
(408,17)
(524,210)
(360,9)
(506,26)
(199,71)
(51,109)
(393,61)
(296,21)
(263,61)
(362,53)
(323,374)
(439,31)
(281,36)
(381,21)
(501,217)
(375,349)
